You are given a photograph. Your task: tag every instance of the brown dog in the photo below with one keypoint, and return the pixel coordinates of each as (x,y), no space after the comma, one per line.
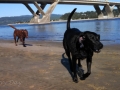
(20,34)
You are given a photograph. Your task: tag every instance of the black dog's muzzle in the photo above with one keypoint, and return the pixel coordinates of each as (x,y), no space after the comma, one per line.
(98,47)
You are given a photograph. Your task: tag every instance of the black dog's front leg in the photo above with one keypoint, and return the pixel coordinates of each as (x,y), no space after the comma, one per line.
(75,79)
(80,69)
(89,62)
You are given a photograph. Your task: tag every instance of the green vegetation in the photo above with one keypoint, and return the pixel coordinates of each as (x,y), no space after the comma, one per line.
(81,15)
(86,15)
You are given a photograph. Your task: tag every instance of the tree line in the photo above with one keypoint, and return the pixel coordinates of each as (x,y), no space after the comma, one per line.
(87,14)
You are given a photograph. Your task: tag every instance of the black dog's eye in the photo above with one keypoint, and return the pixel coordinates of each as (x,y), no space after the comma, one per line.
(98,37)
(92,37)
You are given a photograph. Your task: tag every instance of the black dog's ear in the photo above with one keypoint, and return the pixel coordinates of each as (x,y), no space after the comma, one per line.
(82,35)
(81,38)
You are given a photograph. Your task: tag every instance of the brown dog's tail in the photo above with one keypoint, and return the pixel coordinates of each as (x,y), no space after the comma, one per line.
(69,18)
(12,27)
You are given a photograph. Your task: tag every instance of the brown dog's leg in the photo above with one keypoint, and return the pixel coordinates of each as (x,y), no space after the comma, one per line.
(15,40)
(23,42)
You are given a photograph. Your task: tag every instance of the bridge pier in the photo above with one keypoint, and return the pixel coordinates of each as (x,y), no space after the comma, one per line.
(39,8)
(42,6)
(30,9)
(99,12)
(118,7)
(45,16)
(109,10)
(35,16)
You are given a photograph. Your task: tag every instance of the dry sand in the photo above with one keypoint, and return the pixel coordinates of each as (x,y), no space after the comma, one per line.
(41,66)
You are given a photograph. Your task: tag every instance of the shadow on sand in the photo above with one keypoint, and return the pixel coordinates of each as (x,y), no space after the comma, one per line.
(27,44)
(65,63)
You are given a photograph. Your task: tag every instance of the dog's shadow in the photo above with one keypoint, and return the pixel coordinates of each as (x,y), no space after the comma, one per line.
(27,45)
(65,63)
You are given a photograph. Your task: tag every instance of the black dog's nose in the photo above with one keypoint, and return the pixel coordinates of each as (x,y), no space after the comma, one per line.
(101,46)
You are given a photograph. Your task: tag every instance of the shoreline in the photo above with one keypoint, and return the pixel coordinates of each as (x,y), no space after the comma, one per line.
(105,43)
(49,47)
(62,21)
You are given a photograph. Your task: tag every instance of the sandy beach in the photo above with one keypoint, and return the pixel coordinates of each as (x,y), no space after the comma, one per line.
(42,65)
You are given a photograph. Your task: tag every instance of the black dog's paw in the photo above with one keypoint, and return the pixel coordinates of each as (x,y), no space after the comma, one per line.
(80,72)
(75,80)
(24,45)
(82,78)
(85,76)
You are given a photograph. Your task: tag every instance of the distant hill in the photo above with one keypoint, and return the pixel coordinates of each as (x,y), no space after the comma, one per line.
(77,15)
(55,16)
(23,18)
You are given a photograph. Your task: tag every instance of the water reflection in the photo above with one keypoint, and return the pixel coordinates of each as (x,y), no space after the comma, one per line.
(98,26)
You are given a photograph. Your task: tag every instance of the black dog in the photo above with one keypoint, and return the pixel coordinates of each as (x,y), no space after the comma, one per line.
(80,45)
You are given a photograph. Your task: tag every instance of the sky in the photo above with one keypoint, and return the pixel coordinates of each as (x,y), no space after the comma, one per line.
(19,9)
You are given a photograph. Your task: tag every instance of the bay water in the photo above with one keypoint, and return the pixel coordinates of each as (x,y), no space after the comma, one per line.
(109,30)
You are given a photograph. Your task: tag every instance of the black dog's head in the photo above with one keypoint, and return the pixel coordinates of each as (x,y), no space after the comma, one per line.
(92,40)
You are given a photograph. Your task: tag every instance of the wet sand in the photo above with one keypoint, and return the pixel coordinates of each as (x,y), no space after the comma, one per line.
(42,66)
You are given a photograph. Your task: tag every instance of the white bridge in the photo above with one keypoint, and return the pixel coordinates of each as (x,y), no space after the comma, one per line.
(108,7)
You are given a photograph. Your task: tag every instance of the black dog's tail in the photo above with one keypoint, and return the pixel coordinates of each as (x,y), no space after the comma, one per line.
(69,18)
